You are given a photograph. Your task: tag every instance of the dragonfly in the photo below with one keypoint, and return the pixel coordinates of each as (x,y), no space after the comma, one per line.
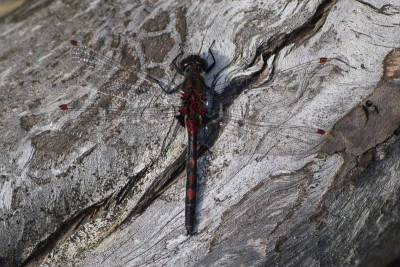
(194,105)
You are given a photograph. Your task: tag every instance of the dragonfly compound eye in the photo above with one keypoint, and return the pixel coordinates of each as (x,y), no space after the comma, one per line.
(184,63)
(202,63)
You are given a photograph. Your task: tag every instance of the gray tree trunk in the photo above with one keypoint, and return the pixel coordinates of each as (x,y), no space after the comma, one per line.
(90,187)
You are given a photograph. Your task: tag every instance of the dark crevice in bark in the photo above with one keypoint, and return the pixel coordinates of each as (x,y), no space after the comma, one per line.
(377,10)
(67,228)
(62,233)
(152,193)
(298,36)
(273,46)
(378,120)
(362,162)
(313,25)
(377,243)
(132,182)
(160,185)
(394,263)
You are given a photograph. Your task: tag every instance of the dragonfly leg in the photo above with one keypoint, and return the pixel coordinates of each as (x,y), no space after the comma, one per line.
(171,91)
(212,55)
(181,119)
(165,87)
(175,65)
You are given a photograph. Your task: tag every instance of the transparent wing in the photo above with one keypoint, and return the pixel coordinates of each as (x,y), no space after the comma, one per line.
(237,127)
(264,138)
(270,73)
(286,85)
(129,84)
(98,122)
(125,98)
(280,94)
(110,77)
(260,137)
(246,136)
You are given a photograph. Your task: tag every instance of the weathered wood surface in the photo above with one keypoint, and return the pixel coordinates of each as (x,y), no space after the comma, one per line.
(111,198)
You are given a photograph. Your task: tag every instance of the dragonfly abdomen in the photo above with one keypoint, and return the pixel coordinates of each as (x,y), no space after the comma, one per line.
(191,182)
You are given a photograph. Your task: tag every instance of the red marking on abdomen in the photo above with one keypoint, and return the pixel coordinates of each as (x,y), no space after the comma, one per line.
(192,127)
(320,131)
(323,60)
(73,42)
(192,163)
(192,179)
(190,194)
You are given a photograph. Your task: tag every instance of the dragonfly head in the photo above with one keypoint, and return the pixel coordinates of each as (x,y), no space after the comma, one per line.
(193,64)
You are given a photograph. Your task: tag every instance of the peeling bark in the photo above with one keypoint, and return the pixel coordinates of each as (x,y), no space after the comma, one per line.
(92,188)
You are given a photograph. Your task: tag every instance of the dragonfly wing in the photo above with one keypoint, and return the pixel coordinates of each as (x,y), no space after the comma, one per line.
(99,122)
(252,137)
(110,77)
(264,78)
(117,131)
(287,91)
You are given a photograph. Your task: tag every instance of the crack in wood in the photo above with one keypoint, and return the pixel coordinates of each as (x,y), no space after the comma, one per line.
(298,36)
(374,8)
(272,47)
(157,187)
(61,234)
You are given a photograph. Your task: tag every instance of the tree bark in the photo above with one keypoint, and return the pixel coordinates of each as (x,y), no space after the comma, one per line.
(95,188)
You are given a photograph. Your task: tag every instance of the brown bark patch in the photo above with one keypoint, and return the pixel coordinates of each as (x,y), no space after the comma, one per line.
(156,48)
(158,23)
